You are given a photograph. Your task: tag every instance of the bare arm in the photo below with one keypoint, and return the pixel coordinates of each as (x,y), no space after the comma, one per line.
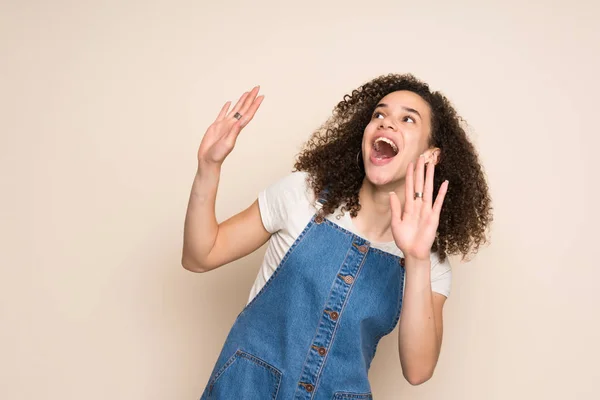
(207,244)
(414,228)
(421,326)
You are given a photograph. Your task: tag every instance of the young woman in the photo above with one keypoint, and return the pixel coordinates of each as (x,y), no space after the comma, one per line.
(358,239)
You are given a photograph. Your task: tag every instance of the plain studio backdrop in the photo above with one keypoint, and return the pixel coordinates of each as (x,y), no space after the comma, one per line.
(103,106)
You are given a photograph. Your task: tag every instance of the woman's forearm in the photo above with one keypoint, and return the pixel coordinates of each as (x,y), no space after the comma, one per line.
(201,227)
(419,337)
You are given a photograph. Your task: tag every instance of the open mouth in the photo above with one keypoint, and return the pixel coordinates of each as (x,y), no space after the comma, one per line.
(384,148)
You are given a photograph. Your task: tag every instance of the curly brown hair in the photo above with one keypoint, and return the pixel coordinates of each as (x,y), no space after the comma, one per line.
(330,157)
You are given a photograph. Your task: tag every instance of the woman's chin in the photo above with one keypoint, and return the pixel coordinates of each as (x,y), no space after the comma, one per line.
(380,177)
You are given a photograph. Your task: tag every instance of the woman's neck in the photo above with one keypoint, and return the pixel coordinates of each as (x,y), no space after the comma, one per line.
(374,218)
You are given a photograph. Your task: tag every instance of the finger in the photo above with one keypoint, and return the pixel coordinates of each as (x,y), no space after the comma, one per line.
(409,189)
(249,114)
(223,111)
(238,105)
(428,191)
(232,135)
(249,100)
(396,207)
(437,206)
(419,176)
(245,119)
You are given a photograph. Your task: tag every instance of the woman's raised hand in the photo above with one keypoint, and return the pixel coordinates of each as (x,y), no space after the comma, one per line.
(414,226)
(220,137)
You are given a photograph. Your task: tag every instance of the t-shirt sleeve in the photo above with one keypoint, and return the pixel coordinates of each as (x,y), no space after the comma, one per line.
(441,276)
(277,201)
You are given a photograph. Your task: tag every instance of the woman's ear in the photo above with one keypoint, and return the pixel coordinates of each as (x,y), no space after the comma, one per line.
(432,155)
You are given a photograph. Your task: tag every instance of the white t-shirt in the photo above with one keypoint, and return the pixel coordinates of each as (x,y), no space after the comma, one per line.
(287,206)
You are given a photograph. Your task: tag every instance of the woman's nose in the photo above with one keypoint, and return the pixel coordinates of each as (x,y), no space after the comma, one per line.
(387,124)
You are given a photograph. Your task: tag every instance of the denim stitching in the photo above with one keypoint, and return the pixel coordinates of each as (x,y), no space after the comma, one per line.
(324,307)
(257,361)
(346,395)
(221,371)
(400,297)
(347,232)
(394,323)
(318,378)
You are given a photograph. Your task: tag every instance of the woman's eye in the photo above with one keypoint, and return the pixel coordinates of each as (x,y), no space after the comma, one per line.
(378,115)
(409,119)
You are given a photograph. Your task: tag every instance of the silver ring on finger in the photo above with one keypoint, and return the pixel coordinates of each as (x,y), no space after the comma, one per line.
(237,115)
(418,195)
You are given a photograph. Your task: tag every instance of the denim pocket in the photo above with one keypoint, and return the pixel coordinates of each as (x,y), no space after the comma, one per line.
(352,396)
(247,377)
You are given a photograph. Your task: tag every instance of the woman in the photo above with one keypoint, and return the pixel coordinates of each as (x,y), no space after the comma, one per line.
(356,234)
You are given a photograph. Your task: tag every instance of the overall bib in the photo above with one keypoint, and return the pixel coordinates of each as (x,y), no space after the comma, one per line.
(312,331)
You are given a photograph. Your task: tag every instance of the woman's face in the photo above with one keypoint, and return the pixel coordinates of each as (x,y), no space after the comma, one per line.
(397,134)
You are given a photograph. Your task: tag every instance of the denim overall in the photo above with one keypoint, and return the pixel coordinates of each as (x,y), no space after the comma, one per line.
(312,331)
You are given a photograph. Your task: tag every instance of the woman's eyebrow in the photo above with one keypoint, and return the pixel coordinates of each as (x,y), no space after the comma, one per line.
(408,109)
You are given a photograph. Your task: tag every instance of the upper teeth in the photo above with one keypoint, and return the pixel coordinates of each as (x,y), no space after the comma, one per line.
(388,141)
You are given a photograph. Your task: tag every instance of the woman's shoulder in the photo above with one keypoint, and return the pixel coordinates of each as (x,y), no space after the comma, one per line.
(294,185)
(288,198)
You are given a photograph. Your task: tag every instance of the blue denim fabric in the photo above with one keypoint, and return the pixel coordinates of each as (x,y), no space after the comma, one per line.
(312,331)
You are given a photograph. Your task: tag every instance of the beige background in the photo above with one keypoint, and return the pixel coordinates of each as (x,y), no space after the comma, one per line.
(103,105)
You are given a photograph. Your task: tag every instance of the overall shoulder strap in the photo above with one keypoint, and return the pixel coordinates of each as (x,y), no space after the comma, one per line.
(322,197)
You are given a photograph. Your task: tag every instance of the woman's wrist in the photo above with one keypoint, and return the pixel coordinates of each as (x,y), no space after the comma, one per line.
(418,270)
